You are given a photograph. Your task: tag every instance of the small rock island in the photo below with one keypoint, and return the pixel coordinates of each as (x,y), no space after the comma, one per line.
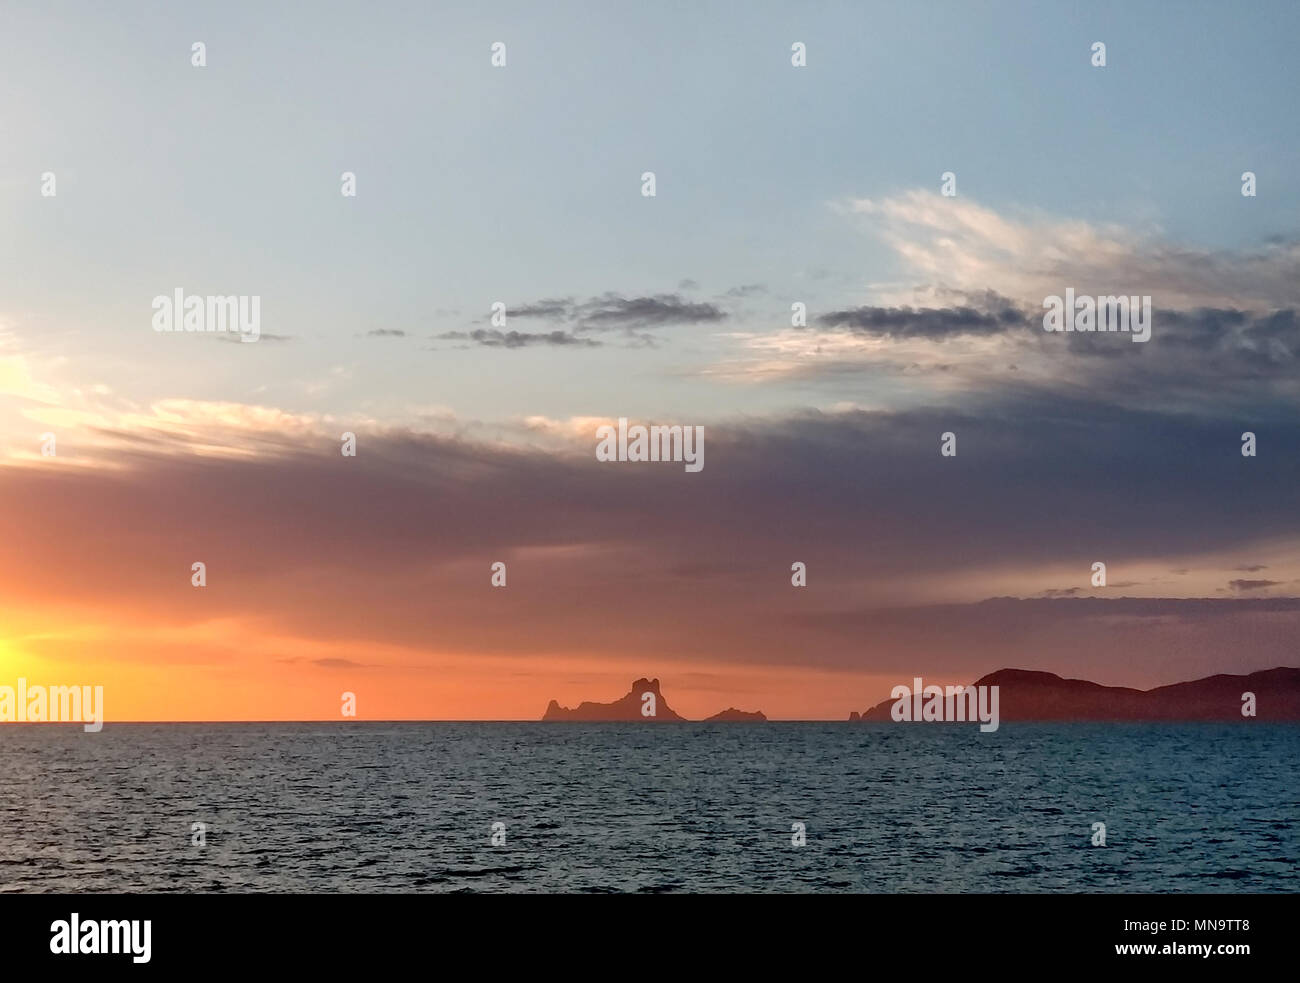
(643,703)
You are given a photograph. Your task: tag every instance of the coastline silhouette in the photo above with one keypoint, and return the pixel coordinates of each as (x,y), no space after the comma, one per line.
(1026,695)
(1044,696)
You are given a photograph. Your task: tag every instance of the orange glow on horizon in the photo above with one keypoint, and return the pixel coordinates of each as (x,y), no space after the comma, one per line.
(225,671)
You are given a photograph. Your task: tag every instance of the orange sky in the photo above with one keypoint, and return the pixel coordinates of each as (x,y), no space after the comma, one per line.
(225,672)
(371,575)
(860,346)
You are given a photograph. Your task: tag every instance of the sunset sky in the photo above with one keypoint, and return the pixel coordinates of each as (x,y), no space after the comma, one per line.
(475,444)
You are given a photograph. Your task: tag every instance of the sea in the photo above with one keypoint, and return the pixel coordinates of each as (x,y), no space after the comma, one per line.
(711,808)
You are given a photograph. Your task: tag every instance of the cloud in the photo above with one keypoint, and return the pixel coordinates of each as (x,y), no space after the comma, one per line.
(392,547)
(612,311)
(1206,361)
(957,244)
(492,338)
(386,333)
(634,317)
(905,322)
(544,308)
(964,321)
(263,336)
(16,379)
(1245,585)
(1173,638)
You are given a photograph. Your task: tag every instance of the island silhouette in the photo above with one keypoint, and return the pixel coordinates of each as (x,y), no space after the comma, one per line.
(1026,694)
(645,703)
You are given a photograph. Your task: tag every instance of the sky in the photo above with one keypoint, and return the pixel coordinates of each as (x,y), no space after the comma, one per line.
(775,185)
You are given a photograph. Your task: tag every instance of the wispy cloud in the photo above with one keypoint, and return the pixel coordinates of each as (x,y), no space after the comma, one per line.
(1249,585)
(492,338)
(958,244)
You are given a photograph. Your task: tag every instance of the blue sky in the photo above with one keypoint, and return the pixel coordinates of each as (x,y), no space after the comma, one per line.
(479,184)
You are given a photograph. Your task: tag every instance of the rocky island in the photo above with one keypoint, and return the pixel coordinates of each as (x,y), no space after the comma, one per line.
(645,703)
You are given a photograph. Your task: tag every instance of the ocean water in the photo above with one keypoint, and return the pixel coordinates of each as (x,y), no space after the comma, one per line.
(409,807)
